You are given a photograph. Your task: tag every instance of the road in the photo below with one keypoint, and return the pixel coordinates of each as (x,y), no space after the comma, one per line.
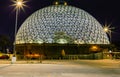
(82,69)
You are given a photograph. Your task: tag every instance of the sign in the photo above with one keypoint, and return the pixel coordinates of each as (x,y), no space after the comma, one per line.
(13,59)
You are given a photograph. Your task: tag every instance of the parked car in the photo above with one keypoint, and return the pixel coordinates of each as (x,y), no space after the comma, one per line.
(4,57)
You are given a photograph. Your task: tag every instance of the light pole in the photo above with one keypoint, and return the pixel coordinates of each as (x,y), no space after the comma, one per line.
(108,30)
(19,4)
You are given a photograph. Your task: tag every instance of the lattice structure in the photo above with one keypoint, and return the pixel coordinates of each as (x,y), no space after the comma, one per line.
(75,23)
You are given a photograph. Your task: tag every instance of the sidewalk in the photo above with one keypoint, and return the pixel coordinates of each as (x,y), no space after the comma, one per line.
(99,63)
(105,63)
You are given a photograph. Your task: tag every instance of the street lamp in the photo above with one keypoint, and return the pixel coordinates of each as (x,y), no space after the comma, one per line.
(18,4)
(108,30)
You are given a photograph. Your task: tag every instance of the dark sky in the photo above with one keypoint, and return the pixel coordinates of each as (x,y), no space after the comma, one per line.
(103,10)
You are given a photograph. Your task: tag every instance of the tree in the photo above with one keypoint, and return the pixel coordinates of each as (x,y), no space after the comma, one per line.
(4,42)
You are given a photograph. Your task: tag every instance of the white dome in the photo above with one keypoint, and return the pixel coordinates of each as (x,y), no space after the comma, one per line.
(61,24)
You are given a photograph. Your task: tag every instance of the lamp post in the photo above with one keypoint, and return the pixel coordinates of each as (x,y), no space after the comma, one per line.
(108,30)
(19,4)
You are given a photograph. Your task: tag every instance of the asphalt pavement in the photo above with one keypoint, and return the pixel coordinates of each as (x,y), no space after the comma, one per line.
(76,68)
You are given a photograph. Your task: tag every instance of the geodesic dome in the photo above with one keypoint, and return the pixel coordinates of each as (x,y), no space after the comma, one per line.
(61,24)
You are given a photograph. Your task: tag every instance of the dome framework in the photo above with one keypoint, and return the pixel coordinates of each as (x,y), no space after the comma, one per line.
(61,24)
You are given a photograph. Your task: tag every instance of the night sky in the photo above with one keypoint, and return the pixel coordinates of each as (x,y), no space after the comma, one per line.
(105,11)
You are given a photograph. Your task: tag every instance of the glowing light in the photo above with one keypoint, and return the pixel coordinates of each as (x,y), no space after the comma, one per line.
(108,29)
(19,4)
(94,48)
(65,3)
(56,3)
